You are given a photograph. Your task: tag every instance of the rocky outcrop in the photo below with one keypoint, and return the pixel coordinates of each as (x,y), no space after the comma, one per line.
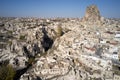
(92,16)
(62,49)
(73,57)
(92,13)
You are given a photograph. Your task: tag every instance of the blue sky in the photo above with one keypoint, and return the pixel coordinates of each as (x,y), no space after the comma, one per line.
(57,8)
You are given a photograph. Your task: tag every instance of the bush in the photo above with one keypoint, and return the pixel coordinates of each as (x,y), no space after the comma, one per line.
(31,60)
(10,43)
(59,30)
(7,72)
(22,37)
(10,32)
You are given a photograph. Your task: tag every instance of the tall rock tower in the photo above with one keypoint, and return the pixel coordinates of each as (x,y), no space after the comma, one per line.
(92,15)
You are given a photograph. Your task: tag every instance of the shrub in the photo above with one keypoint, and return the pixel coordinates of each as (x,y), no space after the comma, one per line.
(31,60)
(59,30)
(22,37)
(7,72)
(10,32)
(10,43)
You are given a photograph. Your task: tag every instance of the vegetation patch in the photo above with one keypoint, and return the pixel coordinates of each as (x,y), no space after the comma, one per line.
(22,37)
(7,72)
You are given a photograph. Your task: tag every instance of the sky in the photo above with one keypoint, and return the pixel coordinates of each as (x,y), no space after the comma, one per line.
(57,8)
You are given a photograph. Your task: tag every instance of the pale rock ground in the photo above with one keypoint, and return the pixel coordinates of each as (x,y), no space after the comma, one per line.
(89,49)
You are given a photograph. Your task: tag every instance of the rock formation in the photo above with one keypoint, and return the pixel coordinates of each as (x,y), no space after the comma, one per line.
(41,49)
(92,15)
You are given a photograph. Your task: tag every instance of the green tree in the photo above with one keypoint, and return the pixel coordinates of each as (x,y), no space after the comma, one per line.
(59,30)
(7,72)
